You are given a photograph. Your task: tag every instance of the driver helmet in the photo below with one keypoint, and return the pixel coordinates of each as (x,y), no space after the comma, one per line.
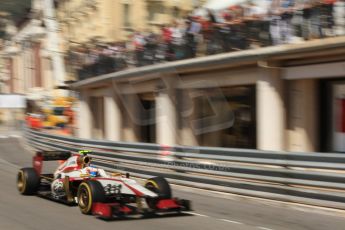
(93,171)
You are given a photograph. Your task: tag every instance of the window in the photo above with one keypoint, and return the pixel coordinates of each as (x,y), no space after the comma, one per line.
(154,10)
(126,15)
(176,12)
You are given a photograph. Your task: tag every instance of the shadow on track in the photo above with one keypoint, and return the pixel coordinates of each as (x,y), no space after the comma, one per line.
(146,217)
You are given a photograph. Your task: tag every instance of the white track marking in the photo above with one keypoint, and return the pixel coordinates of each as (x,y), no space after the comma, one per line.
(263,228)
(196,214)
(15,136)
(3,137)
(230,221)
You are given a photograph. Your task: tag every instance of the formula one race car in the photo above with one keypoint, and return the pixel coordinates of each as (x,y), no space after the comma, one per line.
(95,191)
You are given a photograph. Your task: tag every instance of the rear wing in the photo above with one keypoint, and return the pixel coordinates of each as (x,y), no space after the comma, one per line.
(48,156)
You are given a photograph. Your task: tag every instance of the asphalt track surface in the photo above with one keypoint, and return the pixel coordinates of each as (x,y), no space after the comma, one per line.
(210,211)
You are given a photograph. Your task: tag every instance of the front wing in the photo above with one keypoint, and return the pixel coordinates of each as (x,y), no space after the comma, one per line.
(111,210)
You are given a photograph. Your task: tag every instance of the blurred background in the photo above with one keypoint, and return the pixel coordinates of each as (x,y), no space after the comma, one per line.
(46,45)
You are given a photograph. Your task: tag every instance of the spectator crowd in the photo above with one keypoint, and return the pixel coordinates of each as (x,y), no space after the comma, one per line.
(206,32)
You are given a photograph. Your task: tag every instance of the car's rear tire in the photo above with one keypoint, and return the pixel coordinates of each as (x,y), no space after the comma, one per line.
(161,187)
(89,192)
(28,181)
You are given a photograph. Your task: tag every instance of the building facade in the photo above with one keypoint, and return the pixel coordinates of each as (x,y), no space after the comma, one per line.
(32,57)
(115,20)
(286,98)
(29,55)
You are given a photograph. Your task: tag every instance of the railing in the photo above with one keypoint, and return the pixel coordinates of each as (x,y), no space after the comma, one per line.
(307,178)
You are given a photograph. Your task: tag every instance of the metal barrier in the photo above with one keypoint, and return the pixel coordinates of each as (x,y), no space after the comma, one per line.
(307,178)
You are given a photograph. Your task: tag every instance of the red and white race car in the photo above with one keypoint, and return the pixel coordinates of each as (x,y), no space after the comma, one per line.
(95,191)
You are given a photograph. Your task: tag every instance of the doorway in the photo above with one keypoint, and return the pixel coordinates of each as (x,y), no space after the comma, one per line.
(97,111)
(147,126)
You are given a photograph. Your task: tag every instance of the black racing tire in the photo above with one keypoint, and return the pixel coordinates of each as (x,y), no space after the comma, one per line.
(161,187)
(28,181)
(89,192)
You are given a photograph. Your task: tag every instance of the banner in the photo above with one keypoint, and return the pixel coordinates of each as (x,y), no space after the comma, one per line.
(8,101)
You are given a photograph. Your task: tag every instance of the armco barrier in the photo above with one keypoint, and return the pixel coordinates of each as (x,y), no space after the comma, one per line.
(308,178)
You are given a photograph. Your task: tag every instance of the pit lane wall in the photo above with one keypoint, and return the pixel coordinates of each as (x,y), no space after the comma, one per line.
(307,178)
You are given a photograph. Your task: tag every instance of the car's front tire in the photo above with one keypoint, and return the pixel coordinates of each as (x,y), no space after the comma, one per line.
(28,181)
(161,187)
(89,192)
